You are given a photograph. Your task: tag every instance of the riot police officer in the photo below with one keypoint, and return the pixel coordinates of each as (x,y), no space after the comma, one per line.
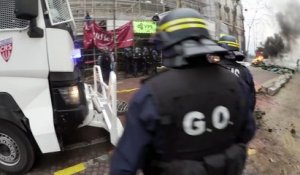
(105,61)
(155,60)
(137,57)
(230,61)
(128,54)
(181,122)
(147,62)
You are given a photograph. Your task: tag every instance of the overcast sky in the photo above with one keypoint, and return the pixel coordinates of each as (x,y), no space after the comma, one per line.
(260,19)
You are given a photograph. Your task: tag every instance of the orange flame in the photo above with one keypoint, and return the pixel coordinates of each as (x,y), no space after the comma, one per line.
(258,59)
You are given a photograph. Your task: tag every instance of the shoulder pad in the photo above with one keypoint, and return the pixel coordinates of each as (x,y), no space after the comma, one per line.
(223,66)
(145,80)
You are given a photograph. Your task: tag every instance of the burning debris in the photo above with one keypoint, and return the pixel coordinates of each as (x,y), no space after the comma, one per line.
(259,57)
(289,23)
(258,60)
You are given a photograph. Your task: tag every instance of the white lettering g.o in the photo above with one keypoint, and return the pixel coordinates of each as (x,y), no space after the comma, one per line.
(217,120)
(192,123)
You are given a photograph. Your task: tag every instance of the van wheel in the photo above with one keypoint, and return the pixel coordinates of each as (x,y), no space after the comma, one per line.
(16,151)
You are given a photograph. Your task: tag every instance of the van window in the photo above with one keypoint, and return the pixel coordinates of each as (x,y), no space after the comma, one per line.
(59,11)
(8,20)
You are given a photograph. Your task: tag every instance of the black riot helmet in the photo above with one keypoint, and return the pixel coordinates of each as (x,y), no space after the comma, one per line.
(230,43)
(128,52)
(182,34)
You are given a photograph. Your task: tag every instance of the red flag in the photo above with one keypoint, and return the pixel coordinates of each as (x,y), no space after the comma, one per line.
(105,39)
(125,35)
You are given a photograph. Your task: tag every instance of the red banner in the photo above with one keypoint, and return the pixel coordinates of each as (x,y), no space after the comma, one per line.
(103,39)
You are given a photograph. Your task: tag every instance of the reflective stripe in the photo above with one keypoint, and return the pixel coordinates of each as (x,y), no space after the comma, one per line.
(185,26)
(230,43)
(234,45)
(178,21)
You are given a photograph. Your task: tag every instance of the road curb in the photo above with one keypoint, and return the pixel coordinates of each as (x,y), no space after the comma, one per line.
(272,87)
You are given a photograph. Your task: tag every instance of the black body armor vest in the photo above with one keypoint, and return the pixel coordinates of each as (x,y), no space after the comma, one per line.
(242,72)
(201,110)
(236,68)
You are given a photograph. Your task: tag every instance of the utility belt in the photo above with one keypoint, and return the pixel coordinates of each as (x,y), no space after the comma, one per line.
(229,162)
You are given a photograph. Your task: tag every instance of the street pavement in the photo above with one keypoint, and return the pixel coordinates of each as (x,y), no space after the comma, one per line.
(128,87)
(277,140)
(261,76)
(91,159)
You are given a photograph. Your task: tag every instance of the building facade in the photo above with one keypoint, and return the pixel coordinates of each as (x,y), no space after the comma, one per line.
(230,19)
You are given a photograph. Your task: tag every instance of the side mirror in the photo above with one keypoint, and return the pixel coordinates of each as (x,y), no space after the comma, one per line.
(26,9)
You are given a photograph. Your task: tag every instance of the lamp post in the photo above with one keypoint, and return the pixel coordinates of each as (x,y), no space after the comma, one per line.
(115,37)
(163,5)
(179,4)
(257,9)
(140,6)
(250,26)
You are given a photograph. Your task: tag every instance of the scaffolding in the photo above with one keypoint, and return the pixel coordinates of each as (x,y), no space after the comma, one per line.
(122,11)
(126,9)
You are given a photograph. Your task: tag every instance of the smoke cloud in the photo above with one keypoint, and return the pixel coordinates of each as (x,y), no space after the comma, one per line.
(289,23)
(274,45)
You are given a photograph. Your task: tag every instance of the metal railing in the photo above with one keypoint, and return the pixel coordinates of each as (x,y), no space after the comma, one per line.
(104,105)
(108,92)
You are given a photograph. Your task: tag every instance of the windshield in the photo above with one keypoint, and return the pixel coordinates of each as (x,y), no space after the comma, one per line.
(59,11)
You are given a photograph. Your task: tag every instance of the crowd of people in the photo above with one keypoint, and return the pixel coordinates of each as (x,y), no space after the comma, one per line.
(141,60)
